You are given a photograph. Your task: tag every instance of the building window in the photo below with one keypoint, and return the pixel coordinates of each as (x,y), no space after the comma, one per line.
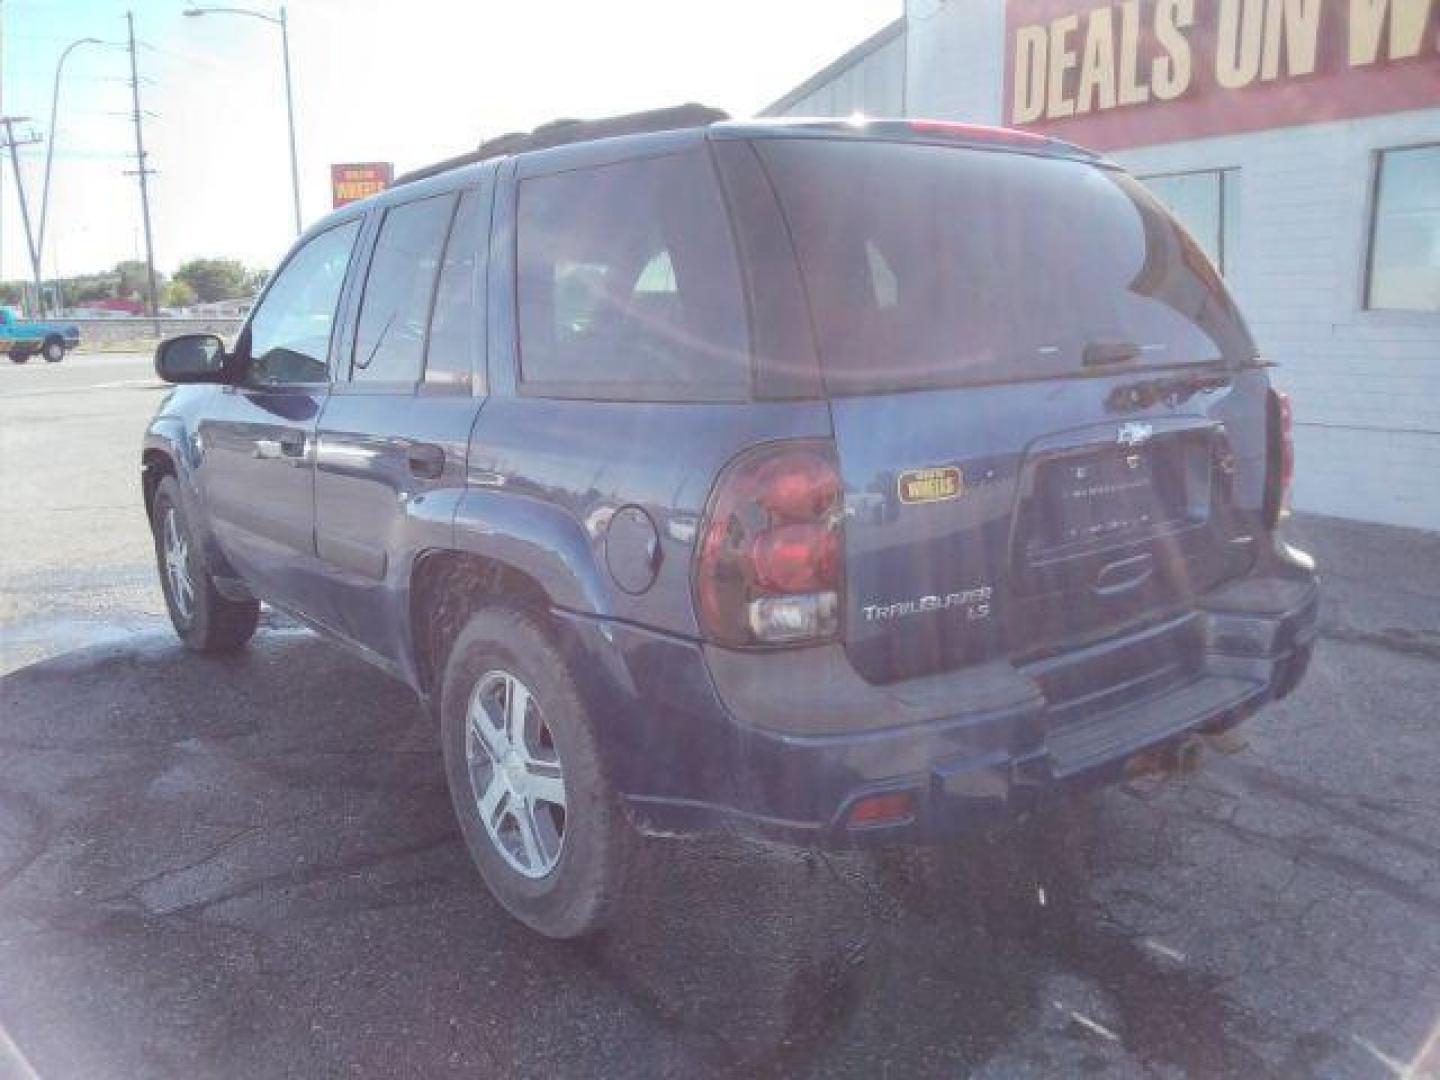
(1404,267)
(1207,204)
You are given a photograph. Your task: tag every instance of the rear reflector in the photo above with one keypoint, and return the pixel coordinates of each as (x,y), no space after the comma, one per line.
(890,808)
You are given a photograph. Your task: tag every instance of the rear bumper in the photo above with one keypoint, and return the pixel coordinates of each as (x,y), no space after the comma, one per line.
(698,748)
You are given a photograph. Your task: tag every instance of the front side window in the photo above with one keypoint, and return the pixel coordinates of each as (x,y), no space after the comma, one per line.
(628,283)
(1206,203)
(290,330)
(1405,231)
(390,338)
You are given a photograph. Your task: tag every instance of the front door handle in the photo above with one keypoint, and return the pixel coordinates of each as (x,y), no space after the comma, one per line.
(426,460)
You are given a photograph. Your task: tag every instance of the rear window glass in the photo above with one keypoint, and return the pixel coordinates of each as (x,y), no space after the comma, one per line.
(932,266)
(628,286)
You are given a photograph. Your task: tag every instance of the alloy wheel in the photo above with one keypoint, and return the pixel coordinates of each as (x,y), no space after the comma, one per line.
(177,564)
(516,775)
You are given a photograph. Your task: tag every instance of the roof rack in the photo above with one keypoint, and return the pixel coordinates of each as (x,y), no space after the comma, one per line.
(562,132)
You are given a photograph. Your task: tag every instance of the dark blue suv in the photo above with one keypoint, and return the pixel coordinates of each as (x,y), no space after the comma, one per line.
(837,482)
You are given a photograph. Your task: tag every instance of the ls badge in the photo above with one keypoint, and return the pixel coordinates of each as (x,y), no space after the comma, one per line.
(930,485)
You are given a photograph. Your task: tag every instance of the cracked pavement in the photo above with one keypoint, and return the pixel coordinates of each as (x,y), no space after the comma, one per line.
(249,867)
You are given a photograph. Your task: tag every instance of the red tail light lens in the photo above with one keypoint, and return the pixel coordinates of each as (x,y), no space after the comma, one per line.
(890,808)
(796,558)
(768,564)
(1280,464)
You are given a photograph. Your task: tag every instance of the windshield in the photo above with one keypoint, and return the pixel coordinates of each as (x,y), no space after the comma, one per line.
(930,266)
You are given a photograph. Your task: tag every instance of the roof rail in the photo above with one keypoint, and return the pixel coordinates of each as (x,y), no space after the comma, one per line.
(562,132)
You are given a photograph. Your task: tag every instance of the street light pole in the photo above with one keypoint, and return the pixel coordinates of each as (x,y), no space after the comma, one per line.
(50,149)
(283,22)
(290,115)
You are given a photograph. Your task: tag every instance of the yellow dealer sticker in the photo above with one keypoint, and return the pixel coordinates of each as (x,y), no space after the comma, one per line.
(930,485)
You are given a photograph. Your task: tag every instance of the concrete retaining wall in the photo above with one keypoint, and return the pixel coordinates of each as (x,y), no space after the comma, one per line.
(100,333)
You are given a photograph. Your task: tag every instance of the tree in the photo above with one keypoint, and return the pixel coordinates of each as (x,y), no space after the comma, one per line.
(178,294)
(214,279)
(133,281)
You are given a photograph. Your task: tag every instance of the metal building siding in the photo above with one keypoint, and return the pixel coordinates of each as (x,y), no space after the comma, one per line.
(869,79)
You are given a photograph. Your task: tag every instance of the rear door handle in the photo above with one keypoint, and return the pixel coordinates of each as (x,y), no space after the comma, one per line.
(426,460)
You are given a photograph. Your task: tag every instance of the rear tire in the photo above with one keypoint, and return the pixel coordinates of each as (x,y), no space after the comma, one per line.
(205,620)
(54,351)
(518,737)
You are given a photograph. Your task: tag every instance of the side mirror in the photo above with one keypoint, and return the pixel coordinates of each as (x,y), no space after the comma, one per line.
(191,358)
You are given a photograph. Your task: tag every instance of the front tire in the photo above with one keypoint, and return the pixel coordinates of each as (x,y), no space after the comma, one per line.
(54,351)
(205,620)
(539,817)
(19,357)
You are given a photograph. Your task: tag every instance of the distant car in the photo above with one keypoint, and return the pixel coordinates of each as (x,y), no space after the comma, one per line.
(23,338)
(841,483)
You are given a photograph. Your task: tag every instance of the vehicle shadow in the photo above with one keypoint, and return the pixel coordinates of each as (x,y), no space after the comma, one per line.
(279,822)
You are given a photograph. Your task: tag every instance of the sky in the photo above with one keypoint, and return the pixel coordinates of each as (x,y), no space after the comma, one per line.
(408,81)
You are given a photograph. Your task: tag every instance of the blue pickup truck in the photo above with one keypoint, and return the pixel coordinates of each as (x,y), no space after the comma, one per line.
(23,338)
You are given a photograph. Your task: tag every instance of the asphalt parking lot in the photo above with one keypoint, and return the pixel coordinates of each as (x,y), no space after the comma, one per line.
(249,867)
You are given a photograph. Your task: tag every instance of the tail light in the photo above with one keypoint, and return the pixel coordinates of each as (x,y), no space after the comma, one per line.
(1280,457)
(768,565)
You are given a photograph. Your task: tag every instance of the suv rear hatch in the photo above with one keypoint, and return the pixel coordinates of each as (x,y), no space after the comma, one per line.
(1031,369)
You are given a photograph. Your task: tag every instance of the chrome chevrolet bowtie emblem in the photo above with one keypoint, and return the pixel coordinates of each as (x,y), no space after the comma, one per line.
(1134,433)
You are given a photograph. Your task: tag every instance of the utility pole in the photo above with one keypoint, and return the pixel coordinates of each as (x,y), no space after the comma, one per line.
(2,112)
(13,145)
(143,171)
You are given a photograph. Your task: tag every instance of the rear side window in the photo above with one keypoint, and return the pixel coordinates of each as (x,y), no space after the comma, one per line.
(935,266)
(455,323)
(628,285)
(390,339)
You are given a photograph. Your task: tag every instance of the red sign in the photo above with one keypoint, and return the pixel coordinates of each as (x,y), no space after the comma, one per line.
(351,183)
(1136,72)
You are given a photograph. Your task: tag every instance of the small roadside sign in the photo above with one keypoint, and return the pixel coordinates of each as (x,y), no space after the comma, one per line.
(358,180)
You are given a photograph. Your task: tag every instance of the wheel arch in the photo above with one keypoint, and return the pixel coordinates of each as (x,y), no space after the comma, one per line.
(156,463)
(446,587)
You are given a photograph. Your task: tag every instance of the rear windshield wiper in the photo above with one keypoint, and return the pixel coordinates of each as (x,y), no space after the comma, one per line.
(1099,353)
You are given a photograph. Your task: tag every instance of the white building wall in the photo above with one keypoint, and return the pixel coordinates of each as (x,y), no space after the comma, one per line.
(1365,385)
(955,59)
